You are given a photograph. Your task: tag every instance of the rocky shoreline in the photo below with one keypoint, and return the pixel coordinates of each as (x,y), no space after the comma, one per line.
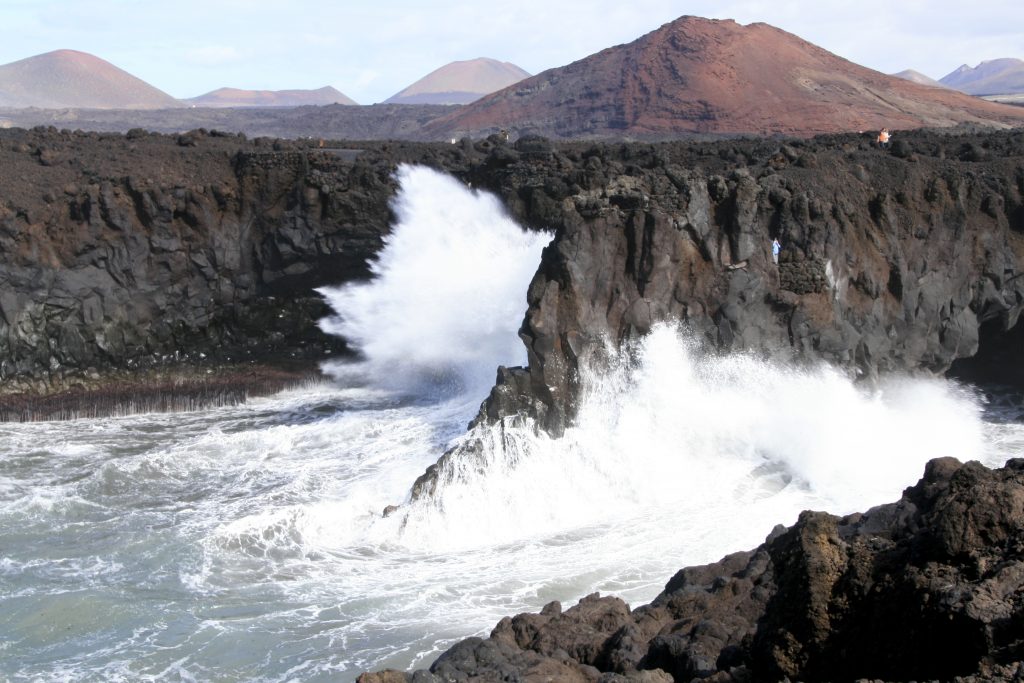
(902,260)
(129,256)
(124,253)
(930,587)
(125,258)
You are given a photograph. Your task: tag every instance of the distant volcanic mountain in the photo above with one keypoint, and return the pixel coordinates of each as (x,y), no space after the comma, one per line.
(918,77)
(994,77)
(233,97)
(698,75)
(460,82)
(72,79)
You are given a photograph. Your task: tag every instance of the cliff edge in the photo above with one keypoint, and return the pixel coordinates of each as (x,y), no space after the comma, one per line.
(900,260)
(142,250)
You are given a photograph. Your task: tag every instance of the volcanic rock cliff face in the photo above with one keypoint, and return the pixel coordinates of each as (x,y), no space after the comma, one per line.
(121,252)
(928,588)
(890,261)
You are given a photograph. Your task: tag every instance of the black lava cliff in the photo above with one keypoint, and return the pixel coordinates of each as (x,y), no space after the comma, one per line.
(119,252)
(124,253)
(892,260)
(928,588)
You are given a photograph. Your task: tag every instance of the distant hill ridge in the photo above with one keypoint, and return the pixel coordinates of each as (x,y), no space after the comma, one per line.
(994,77)
(918,77)
(697,75)
(69,78)
(234,97)
(460,82)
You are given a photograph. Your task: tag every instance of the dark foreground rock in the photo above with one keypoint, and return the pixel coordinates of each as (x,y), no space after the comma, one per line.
(930,587)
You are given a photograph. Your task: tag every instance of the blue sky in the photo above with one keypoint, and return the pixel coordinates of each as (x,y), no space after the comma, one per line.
(371,50)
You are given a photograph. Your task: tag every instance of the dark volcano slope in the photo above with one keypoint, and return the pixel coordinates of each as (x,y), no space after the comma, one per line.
(119,253)
(928,588)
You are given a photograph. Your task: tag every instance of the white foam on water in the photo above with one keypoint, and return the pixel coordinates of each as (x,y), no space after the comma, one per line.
(666,429)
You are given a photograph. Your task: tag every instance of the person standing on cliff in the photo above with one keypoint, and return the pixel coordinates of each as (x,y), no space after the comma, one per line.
(883,138)
(776,248)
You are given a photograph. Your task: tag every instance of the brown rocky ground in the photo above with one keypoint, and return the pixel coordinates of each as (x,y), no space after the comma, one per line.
(352,122)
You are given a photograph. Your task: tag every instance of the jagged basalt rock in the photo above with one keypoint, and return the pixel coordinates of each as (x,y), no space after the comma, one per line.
(930,587)
(889,262)
(138,252)
(131,251)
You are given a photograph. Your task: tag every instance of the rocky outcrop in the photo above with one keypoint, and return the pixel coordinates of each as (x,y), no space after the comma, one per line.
(930,587)
(138,251)
(892,260)
(123,254)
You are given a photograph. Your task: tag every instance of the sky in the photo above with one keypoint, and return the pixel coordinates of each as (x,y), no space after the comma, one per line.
(371,50)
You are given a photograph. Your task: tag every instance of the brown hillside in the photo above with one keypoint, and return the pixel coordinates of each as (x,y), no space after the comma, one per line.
(234,97)
(697,75)
(68,78)
(460,82)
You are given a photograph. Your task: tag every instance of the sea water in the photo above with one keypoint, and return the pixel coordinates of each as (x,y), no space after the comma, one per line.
(247,543)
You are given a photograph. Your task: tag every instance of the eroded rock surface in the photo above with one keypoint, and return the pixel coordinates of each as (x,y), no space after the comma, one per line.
(121,252)
(890,261)
(929,587)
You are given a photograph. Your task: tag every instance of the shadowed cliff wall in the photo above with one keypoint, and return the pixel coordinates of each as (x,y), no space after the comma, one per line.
(121,252)
(141,251)
(891,260)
